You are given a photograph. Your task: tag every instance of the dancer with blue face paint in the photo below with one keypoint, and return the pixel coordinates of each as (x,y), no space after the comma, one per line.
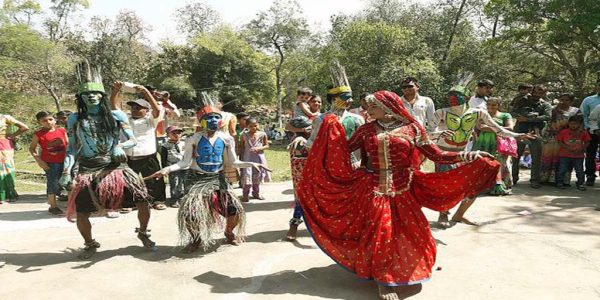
(104,181)
(209,198)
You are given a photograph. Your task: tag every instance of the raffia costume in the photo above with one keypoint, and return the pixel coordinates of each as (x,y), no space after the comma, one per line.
(101,182)
(208,198)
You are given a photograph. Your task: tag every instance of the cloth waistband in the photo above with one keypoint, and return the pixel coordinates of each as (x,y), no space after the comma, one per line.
(141,157)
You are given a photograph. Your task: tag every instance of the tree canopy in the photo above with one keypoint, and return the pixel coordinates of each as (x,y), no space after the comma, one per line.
(551,42)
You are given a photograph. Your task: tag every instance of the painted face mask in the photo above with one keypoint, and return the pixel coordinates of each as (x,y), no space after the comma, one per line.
(91,99)
(211,121)
(456,99)
(343,101)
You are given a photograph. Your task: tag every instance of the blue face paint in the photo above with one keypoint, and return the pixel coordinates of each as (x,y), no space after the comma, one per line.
(91,99)
(213,121)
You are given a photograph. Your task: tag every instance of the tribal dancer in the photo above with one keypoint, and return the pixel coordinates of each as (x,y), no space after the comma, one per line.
(209,197)
(454,130)
(369,220)
(104,180)
(340,99)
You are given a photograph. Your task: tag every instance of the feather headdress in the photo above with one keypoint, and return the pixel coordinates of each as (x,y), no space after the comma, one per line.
(89,78)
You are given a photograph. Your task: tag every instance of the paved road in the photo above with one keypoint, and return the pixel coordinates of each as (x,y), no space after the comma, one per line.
(541,244)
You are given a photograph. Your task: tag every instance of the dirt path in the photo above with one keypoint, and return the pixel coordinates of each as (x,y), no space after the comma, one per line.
(538,244)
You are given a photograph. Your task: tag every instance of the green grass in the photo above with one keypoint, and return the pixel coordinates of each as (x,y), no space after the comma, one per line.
(24,162)
(29,187)
(279,161)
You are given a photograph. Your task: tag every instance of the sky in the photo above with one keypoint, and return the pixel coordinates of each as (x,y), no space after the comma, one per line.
(160,14)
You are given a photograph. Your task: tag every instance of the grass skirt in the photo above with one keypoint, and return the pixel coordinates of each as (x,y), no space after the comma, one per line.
(208,200)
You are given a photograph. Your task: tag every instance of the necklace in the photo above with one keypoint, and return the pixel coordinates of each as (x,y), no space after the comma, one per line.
(390,125)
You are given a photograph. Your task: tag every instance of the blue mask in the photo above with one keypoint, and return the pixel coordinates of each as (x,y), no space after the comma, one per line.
(212,121)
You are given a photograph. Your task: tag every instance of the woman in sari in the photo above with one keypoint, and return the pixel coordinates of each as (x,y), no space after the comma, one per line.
(487,141)
(559,121)
(369,220)
(7,157)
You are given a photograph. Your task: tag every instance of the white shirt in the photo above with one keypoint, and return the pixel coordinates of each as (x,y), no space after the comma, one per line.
(423,109)
(144,131)
(594,119)
(477,102)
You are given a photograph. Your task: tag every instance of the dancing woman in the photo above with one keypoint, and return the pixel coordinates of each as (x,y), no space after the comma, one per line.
(369,220)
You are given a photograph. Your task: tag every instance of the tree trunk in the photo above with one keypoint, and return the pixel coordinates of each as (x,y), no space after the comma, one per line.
(495,28)
(453,31)
(278,84)
(56,99)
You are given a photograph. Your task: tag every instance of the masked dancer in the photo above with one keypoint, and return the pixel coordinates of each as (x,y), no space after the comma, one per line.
(209,201)
(104,181)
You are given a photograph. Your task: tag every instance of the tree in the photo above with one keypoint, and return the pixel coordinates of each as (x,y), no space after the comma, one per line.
(21,11)
(117,47)
(30,62)
(563,33)
(280,29)
(222,60)
(58,23)
(386,54)
(195,18)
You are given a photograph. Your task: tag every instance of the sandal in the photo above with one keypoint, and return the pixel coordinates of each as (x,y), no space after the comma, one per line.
(159,206)
(192,247)
(89,249)
(443,221)
(126,210)
(231,239)
(144,236)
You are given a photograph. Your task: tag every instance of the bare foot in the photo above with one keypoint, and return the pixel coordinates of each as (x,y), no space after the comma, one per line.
(292,234)
(387,293)
(192,247)
(89,250)
(465,221)
(232,239)
(443,221)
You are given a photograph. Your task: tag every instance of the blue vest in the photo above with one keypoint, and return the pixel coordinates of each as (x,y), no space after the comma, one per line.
(210,158)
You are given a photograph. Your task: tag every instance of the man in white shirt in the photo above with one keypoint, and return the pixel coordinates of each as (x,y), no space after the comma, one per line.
(422,108)
(484,89)
(145,117)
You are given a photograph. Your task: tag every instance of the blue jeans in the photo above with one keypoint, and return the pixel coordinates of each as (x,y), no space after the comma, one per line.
(566,165)
(52,176)
(176,180)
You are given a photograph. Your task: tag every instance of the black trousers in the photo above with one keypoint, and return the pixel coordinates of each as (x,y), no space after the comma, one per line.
(590,157)
(148,166)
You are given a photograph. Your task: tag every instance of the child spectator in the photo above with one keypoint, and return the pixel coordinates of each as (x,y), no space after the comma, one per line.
(254,142)
(573,143)
(525,160)
(62,116)
(171,152)
(302,115)
(53,143)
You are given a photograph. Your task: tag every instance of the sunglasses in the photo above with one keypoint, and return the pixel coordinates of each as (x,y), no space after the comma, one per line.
(408,86)
(303,94)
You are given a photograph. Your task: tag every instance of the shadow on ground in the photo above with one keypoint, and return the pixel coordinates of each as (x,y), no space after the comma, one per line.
(267,237)
(330,282)
(257,205)
(31,262)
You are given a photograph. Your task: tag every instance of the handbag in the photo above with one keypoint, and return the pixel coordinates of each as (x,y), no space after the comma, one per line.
(506,146)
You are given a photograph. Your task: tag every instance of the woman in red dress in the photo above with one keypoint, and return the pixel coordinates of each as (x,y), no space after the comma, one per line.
(369,220)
